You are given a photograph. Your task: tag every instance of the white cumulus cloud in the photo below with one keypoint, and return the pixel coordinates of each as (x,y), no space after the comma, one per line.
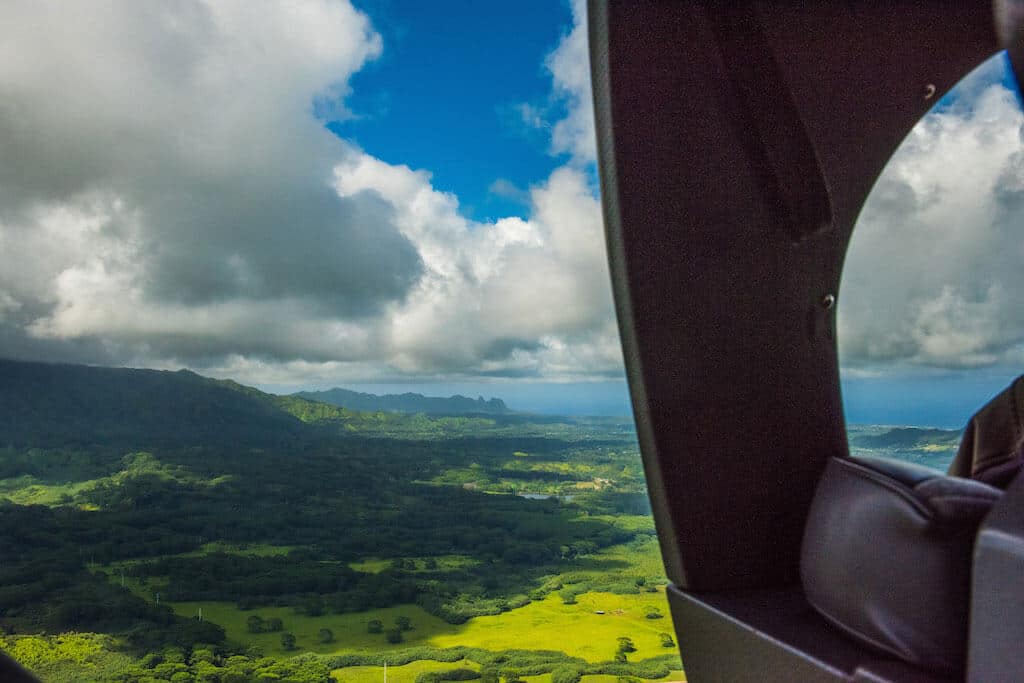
(168,196)
(934,275)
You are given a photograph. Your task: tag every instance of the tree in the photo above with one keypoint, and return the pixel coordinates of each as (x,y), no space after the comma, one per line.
(430,564)
(255,624)
(626,644)
(512,676)
(394,636)
(488,674)
(287,641)
(313,606)
(275,624)
(403,623)
(640,581)
(151,660)
(375,626)
(326,636)
(654,613)
(565,674)
(666,640)
(584,547)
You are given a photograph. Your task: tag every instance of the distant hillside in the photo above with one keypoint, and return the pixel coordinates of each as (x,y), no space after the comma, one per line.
(407,403)
(50,404)
(908,438)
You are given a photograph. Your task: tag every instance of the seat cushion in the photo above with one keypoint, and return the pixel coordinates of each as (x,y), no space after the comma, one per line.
(887,555)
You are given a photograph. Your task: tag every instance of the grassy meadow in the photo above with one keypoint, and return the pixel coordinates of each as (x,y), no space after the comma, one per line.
(401,674)
(577,629)
(375,565)
(409,672)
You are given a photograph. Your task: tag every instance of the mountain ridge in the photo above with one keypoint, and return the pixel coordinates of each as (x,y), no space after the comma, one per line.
(408,402)
(61,404)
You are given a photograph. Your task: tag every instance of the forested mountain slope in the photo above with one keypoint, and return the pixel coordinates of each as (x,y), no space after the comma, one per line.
(45,404)
(55,405)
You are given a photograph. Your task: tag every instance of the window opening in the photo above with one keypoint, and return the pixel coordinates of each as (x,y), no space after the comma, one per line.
(930,321)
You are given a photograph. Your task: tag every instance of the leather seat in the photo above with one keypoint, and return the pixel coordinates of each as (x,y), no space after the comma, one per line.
(992,448)
(888,545)
(887,556)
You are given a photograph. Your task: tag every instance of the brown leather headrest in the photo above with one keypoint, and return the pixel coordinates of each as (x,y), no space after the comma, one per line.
(887,557)
(992,448)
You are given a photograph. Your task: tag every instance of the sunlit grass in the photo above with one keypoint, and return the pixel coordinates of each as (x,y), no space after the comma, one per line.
(375,565)
(350,630)
(27,490)
(68,657)
(400,674)
(577,630)
(640,558)
(606,678)
(546,624)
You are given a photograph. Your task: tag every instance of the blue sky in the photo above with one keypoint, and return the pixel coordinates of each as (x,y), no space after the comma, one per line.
(447,95)
(995,71)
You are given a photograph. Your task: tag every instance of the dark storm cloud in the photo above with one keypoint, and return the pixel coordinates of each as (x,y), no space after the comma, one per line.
(342,254)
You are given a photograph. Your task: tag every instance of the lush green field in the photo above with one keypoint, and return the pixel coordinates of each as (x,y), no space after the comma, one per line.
(402,674)
(640,558)
(408,673)
(27,490)
(605,678)
(576,630)
(548,624)
(350,630)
